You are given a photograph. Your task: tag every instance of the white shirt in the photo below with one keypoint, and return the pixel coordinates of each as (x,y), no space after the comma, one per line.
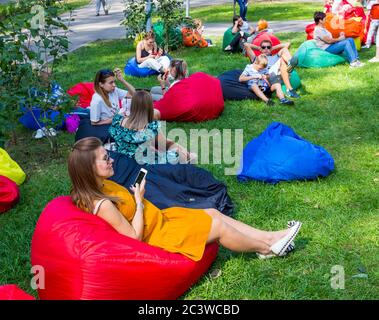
(100,111)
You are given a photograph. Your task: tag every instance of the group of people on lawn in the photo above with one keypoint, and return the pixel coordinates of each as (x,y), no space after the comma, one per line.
(90,165)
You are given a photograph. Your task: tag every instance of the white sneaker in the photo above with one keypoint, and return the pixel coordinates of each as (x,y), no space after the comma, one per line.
(39,134)
(279,248)
(53,132)
(356,64)
(375,59)
(365,47)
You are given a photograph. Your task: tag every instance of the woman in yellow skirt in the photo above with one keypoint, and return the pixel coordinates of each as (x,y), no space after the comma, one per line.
(178,230)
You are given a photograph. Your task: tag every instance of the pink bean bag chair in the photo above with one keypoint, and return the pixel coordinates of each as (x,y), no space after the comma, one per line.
(9,194)
(196,98)
(265,36)
(85,91)
(85,258)
(12,292)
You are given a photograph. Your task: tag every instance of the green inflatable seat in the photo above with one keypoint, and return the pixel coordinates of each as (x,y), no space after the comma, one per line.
(311,56)
(294,80)
(175,36)
(228,37)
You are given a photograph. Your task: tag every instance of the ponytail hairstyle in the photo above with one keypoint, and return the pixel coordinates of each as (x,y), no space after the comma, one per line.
(180,67)
(101,77)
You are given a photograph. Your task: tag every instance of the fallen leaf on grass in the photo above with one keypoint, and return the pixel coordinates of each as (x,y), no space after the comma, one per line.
(215,273)
(360,276)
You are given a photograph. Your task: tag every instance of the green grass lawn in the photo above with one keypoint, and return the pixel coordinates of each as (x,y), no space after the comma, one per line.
(270,11)
(338,110)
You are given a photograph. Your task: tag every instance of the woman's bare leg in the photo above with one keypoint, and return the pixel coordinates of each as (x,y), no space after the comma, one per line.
(267,236)
(234,240)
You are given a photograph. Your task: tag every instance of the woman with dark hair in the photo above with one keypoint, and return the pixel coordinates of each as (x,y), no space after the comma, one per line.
(149,56)
(139,136)
(105,101)
(178,230)
(176,72)
(325,41)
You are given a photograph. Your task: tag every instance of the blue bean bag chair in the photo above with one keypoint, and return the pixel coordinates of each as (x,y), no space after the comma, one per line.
(131,69)
(279,154)
(43,117)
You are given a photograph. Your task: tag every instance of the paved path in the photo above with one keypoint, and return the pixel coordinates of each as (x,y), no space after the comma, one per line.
(88,28)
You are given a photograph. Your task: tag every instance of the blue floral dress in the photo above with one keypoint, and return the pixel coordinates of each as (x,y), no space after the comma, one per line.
(139,144)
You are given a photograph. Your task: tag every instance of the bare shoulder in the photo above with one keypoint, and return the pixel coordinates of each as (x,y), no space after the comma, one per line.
(109,212)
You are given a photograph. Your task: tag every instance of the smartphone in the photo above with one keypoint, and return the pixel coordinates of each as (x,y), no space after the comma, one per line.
(141,175)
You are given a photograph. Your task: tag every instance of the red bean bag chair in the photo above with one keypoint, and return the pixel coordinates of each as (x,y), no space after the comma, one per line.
(85,90)
(196,98)
(12,292)
(309,29)
(9,194)
(265,36)
(84,257)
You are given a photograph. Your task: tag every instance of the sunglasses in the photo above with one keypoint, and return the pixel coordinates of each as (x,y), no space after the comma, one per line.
(107,158)
(265,47)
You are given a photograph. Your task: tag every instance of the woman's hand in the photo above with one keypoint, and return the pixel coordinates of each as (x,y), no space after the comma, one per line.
(118,74)
(139,191)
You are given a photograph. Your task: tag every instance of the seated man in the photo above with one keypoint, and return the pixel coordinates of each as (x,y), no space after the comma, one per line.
(240,36)
(280,65)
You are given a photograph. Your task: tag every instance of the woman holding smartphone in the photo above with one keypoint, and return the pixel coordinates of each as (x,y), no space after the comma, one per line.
(149,56)
(178,230)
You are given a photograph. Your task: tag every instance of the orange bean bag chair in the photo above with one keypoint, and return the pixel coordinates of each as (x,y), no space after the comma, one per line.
(265,36)
(192,38)
(84,257)
(12,292)
(353,27)
(196,98)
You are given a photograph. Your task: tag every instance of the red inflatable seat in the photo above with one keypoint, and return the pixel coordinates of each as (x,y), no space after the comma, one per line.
(9,194)
(12,292)
(265,36)
(85,91)
(309,30)
(85,258)
(196,98)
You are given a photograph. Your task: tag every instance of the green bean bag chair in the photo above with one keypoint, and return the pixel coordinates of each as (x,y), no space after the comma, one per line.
(175,36)
(310,56)
(294,80)
(228,37)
